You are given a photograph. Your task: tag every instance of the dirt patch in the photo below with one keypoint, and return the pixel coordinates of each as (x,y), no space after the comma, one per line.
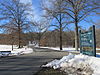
(49,71)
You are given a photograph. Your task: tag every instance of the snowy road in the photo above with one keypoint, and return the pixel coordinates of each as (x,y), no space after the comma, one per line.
(28,64)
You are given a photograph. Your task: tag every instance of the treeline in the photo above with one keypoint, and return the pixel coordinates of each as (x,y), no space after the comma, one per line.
(49,39)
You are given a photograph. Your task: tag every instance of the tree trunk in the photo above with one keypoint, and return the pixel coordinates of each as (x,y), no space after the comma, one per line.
(76,35)
(12,40)
(39,38)
(60,39)
(12,47)
(19,38)
(60,32)
(39,43)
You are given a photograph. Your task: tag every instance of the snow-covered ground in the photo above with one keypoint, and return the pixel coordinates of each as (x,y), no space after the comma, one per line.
(77,64)
(69,49)
(64,49)
(16,51)
(97,48)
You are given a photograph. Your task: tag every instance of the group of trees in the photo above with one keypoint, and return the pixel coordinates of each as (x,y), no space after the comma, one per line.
(49,39)
(14,14)
(58,15)
(70,11)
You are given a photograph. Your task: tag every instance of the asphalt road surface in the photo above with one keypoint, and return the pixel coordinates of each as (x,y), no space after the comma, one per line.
(28,64)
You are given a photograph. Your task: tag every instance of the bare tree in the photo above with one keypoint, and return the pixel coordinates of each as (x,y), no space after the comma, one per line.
(40,28)
(78,10)
(58,19)
(15,14)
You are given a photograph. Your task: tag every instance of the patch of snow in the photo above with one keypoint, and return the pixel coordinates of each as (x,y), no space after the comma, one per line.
(22,51)
(97,48)
(51,64)
(69,49)
(7,47)
(16,51)
(56,63)
(87,64)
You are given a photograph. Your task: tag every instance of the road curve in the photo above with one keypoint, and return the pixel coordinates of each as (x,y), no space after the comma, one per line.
(28,64)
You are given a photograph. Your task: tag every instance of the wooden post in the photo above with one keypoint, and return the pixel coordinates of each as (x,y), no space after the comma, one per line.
(94,40)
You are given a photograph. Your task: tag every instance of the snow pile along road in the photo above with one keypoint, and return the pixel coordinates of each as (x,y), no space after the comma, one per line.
(77,65)
(22,51)
(16,51)
(69,49)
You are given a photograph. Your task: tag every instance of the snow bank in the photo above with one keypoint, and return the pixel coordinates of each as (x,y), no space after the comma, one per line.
(69,49)
(7,47)
(86,64)
(22,51)
(16,51)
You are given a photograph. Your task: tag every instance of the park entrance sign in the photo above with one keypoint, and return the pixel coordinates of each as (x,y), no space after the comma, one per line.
(88,42)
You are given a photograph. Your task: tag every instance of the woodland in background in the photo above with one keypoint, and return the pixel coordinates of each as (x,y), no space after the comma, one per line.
(50,38)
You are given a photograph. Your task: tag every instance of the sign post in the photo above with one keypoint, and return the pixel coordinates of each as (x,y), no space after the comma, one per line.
(88,42)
